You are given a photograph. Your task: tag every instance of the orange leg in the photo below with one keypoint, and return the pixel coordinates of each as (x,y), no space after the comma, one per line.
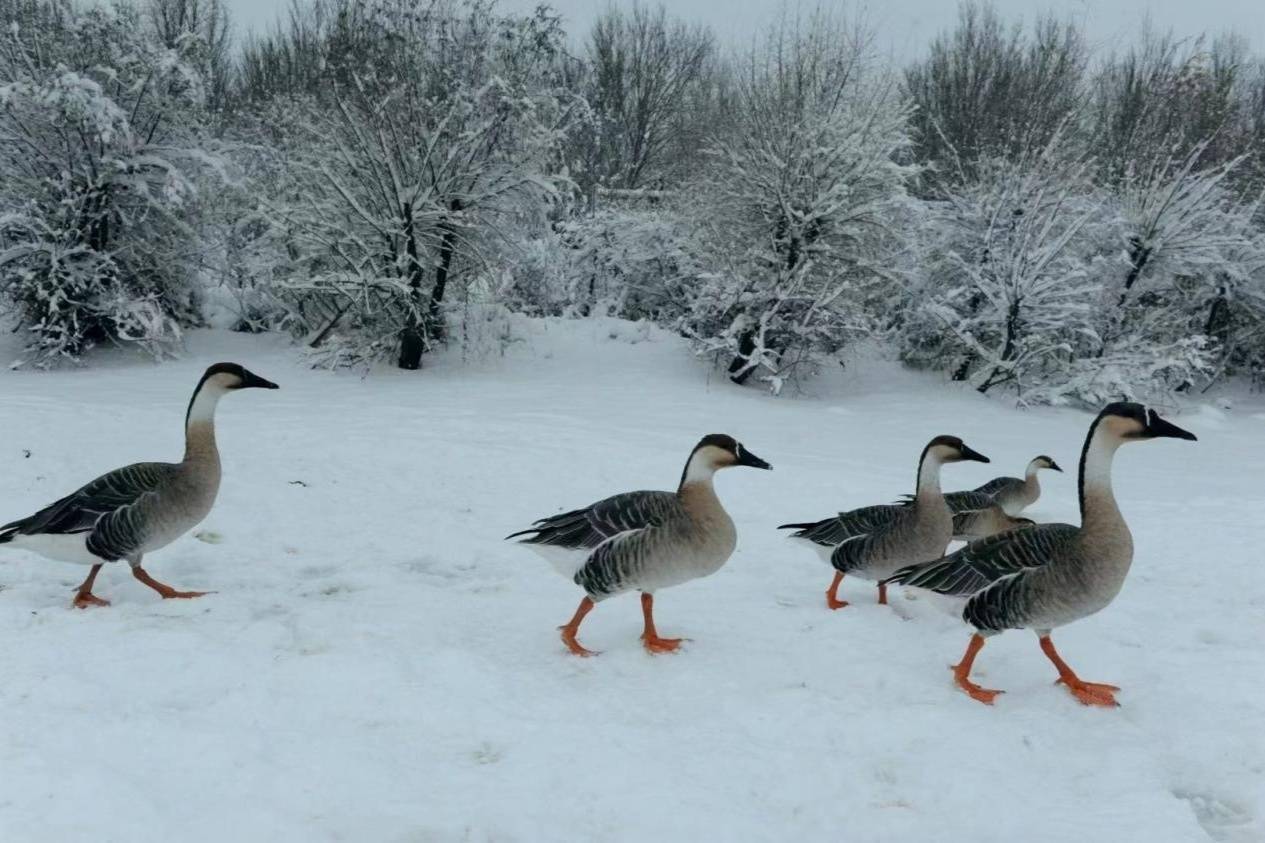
(882,594)
(1089,693)
(84,596)
(832,593)
(650,638)
(962,673)
(573,626)
(165,590)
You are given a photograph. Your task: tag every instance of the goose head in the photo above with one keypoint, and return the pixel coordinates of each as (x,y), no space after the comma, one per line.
(217,381)
(226,377)
(1128,421)
(1041,462)
(945,449)
(714,452)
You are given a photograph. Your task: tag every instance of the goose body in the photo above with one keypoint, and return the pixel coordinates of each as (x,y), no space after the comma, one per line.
(645,541)
(975,516)
(1049,575)
(1015,494)
(139,508)
(873,542)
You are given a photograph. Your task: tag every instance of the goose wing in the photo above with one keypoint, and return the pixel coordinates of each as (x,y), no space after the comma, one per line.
(845,525)
(615,562)
(998,485)
(853,553)
(79,512)
(977,566)
(968,502)
(590,526)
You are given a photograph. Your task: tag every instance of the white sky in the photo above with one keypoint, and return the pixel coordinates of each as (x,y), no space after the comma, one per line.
(903,26)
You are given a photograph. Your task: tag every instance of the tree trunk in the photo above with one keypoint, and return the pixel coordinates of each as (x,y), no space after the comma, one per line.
(1139,255)
(1012,330)
(740,368)
(447,248)
(412,336)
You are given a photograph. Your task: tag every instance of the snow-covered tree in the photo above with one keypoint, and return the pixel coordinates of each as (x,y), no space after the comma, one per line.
(988,89)
(1182,228)
(643,72)
(438,128)
(99,152)
(801,205)
(1008,285)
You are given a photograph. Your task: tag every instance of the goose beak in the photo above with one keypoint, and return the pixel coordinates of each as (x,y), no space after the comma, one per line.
(1055,466)
(972,454)
(252,380)
(747,458)
(1157,427)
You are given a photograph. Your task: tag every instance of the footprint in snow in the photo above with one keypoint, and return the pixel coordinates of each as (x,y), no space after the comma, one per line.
(1222,819)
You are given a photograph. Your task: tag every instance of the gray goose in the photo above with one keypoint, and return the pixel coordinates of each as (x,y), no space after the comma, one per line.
(1014,494)
(895,534)
(975,516)
(139,508)
(645,541)
(1051,574)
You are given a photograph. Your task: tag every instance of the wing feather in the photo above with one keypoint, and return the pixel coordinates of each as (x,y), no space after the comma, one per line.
(846,525)
(981,563)
(80,511)
(590,526)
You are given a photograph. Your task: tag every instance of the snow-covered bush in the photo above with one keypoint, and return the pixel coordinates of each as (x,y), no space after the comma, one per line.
(801,210)
(1036,279)
(99,166)
(631,265)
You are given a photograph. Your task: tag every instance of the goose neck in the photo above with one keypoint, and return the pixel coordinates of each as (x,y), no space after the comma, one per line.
(199,431)
(1098,505)
(928,487)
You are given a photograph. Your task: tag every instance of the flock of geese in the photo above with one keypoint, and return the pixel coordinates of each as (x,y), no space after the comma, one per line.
(1011,574)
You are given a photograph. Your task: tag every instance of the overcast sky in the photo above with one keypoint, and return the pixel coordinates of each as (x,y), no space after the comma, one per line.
(904,26)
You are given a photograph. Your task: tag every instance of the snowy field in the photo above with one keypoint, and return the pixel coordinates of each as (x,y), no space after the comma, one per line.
(378,665)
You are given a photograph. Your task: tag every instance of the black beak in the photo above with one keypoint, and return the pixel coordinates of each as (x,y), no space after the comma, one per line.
(747,458)
(971,454)
(1055,466)
(250,379)
(1157,427)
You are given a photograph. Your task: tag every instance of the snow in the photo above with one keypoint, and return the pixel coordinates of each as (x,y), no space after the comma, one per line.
(377,664)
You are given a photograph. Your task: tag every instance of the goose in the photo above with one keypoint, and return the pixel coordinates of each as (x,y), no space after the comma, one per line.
(644,541)
(1049,575)
(975,516)
(139,508)
(892,535)
(1015,495)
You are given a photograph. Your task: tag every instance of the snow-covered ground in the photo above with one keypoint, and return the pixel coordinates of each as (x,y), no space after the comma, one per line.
(378,665)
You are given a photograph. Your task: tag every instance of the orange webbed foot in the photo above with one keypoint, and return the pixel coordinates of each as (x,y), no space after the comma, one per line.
(656,644)
(83,601)
(568,638)
(172,594)
(1092,693)
(834,602)
(975,692)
